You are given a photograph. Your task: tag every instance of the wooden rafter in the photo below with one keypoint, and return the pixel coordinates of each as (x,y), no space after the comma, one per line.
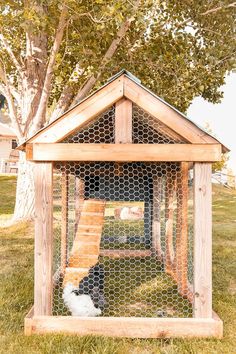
(122,87)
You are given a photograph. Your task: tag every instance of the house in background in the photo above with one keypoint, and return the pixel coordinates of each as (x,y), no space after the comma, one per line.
(8,156)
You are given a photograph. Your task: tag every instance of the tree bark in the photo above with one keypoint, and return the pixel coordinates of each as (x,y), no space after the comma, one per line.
(24,206)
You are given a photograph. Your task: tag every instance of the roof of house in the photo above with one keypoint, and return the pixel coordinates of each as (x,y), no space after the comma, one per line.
(6,131)
(191,127)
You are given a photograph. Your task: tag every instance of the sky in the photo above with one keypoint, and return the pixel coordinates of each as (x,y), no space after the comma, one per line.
(221,117)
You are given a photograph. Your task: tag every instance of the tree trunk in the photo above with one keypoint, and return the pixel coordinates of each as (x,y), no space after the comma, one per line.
(24,206)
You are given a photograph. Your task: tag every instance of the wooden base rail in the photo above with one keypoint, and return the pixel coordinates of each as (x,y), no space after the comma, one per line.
(129,327)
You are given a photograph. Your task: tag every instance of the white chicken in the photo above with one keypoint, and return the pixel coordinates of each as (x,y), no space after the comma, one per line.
(79,304)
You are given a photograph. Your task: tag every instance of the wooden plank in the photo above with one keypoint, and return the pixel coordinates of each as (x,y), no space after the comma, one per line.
(82,261)
(181,254)
(79,199)
(82,114)
(128,327)
(202,240)
(123,121)
(125,253)
(156,218)
(127,152)
(170,190)
(43,254)
(165,114)
(64,219)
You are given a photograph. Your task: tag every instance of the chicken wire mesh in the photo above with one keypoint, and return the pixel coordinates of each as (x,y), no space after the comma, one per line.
(123,239)
(123,231)
(146,130)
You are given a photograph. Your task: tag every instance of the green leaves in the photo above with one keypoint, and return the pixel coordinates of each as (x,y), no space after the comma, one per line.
(174,48)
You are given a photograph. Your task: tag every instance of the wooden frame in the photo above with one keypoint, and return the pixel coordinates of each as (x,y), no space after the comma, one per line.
(64,221)
(43,249)
(123,86)
(199,147)
(156,218)
(123,122)
(124,152)
(129,327)
(202,240)
(181,257)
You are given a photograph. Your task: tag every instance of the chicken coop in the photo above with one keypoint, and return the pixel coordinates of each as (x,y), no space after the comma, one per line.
(123,226)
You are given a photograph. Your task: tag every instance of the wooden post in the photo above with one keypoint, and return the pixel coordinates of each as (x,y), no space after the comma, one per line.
(156,219)
(43,283)
(79,199)
(169,214)
(202,241)
(181,255)
(123,122)
(64,219)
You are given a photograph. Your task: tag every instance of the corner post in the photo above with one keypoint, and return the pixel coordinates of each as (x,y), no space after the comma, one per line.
(202,241)
(43,284)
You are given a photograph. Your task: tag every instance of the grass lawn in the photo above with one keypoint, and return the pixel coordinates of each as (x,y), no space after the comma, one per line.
(16,292)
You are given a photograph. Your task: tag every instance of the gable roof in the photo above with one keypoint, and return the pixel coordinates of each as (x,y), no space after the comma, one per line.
(123,84)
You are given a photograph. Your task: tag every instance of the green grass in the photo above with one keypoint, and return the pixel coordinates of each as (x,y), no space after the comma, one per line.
(16,291)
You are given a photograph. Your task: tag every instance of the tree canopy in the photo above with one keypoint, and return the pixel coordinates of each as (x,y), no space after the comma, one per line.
(53,53)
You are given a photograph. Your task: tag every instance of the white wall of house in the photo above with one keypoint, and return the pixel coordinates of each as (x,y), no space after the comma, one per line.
(5,147)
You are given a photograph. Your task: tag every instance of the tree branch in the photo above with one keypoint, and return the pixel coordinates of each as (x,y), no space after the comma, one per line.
(17,64)
(108,55)
(12,110)
(13,90)
(216,9)
(233,4)
(40,115)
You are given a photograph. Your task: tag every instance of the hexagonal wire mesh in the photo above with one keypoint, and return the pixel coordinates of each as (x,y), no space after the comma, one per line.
(123,231)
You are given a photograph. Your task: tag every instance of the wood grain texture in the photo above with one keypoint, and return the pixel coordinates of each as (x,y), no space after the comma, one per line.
(79,199)
(64,219)
(28,322)
(123,121)
(156,218)
(92,215)
(170,191)
(129,327)
(126,152)
(43,239)
(165,114)
(202,240)
(181,254)
(125,253)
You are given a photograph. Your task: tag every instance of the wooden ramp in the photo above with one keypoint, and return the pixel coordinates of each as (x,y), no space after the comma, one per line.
(86,246)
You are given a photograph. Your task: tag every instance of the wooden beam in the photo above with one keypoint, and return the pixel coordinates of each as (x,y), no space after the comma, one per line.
(82,114)
(125,253)
(181,254)
(126,152)
(165,114)
(64,219)
(43,255)
(156,218)
(170,190)
(28,322)
(202,240)
(129,327)
(79,199)
(123,121)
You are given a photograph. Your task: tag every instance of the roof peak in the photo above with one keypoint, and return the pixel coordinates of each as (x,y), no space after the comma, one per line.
(124,72)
